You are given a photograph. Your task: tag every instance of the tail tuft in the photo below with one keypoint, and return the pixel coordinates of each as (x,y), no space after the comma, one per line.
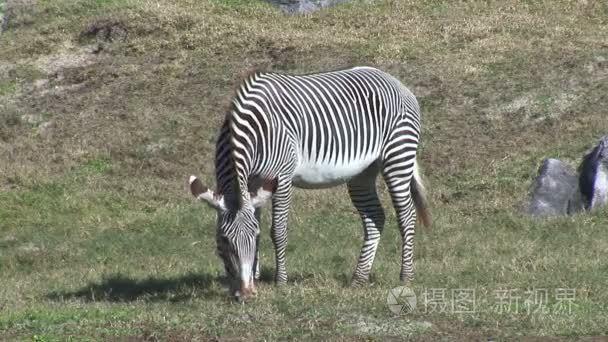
(419,196)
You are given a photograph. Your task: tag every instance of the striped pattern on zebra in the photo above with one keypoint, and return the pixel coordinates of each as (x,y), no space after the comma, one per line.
(314,131)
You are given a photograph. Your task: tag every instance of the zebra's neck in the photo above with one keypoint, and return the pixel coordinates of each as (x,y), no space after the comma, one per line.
(231,166)
(246,128)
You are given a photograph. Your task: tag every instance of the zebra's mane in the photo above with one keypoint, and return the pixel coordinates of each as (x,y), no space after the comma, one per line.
(243,76)
(231,184)
(226,172)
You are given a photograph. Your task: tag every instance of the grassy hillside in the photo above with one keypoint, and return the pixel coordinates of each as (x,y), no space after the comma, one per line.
(107,106)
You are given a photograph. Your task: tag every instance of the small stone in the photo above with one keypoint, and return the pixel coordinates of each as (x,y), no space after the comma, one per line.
(244,318)
(29,248)
(41,83)
(33,119)
(8,241)
(425,325)
(45,128)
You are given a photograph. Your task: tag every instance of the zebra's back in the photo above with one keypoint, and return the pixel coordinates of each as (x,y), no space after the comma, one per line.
(339,121)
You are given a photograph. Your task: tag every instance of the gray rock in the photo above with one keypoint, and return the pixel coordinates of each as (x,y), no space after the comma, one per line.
(304,6)
(3,19)
(593,181)
(18,12)
(556,190)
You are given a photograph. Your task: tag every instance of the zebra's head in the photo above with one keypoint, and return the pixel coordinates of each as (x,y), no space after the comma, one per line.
(237,235)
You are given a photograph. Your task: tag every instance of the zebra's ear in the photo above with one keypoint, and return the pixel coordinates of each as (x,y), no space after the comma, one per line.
(264,193)
(202,193)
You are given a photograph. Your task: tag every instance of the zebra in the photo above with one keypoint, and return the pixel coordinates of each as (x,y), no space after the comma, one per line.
(313,131)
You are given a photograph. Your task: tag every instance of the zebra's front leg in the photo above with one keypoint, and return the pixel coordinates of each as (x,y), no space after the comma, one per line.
(257,273)
(362,191)
(280,210)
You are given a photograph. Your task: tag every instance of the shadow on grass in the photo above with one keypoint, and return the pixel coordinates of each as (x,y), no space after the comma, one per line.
(120,288)
(267,276)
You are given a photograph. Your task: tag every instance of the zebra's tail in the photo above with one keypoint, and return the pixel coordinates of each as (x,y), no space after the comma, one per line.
(419,196)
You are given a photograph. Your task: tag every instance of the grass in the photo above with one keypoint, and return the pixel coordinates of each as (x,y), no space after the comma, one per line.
(106,107)
(7,88)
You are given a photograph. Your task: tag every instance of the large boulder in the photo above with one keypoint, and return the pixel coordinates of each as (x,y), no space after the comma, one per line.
(556,190)
(304,6)
(594,176)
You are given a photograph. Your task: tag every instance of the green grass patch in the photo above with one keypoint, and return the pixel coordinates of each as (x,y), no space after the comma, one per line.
(98,166)
(101,240)
(7,88)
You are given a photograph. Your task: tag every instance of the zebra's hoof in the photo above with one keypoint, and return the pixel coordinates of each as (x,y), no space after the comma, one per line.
(406,281)
(358,282)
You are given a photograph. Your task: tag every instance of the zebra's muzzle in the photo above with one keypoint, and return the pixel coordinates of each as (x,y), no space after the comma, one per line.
(246,291)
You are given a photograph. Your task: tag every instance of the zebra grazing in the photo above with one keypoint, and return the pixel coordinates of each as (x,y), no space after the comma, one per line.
(313,131)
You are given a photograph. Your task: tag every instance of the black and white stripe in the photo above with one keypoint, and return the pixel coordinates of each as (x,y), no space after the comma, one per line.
(316,131)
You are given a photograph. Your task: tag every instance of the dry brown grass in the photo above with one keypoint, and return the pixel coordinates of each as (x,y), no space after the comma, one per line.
(107,106)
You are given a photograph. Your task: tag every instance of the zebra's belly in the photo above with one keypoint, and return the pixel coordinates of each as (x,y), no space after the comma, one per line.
(314,175)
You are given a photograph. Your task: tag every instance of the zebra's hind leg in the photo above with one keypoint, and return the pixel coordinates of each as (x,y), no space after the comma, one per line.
(397,171)
(362,191)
